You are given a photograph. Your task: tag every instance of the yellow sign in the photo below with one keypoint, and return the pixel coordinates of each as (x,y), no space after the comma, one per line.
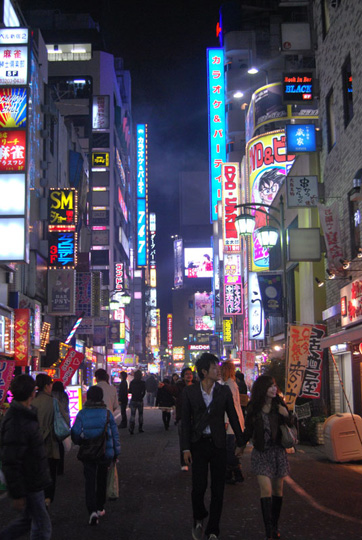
(100,159)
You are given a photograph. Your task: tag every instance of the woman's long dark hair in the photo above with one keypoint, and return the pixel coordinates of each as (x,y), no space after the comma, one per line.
(258,392)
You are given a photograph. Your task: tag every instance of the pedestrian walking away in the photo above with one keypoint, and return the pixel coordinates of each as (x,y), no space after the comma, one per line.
(123,398)
(204,406)
(137,389)
(233,468)
(92,422)
(25,464)
(165,402)
(266,412)
(176,390)
(109,393)
(151,390)
(44,403)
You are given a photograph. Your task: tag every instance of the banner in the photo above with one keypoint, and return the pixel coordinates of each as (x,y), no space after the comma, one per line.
(271,292)
(230,198)
(312,383)
(69,365)
(248,367)
(298,350)
(6,373)
(330,224)
(22,337)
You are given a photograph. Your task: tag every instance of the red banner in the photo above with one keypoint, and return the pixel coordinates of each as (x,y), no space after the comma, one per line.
(6,373)
(70,364)
(22,336)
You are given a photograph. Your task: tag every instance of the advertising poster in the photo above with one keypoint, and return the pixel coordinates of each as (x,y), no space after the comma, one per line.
(232,269)
(69,365)
(178,263)
(12,150)
(62,209)
(230,198)
(13,111)
(203,310)
(233,299)
(13,65)
(61,292)
(298,351)
(100,112)
(329,217)
(268,164)
(311,387)
(6,374)
(198,262)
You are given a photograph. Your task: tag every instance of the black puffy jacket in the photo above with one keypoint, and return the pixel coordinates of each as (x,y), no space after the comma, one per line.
(22,452)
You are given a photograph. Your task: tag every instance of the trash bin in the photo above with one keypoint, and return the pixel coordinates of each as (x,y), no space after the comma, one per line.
(341,441)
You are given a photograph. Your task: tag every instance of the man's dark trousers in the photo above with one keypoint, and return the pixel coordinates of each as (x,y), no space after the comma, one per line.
(204,454)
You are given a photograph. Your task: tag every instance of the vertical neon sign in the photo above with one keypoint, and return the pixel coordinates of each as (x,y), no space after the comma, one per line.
(142,195)
(217,135)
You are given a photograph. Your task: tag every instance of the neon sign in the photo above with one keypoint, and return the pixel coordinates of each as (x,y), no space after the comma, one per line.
(216,111)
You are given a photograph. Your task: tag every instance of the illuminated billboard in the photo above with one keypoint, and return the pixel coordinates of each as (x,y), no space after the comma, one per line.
(203,311)
(301,138)
(62,249)
(217,129)
(13,65)
(100,112)
(267,164)
(142,202)
(12,150)
(13,107)
(62,209)
(198,262)
(141,233)
(230,198)
(141,160)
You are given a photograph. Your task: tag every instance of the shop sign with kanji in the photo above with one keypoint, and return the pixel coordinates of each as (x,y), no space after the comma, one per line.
(12,150)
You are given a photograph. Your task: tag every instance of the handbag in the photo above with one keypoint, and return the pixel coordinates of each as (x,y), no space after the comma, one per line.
(289,436)
(94,449)
(112,482)
(61,428)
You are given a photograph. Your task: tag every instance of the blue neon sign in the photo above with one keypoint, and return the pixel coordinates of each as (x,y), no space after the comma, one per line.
(141,160)
(141,232)
(217,131)
(300,138)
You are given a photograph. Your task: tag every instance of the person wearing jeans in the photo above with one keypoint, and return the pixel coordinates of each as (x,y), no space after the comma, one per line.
(137,389)
(25,464)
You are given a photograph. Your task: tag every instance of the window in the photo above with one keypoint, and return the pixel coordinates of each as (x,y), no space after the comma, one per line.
(331,122)
(347,91)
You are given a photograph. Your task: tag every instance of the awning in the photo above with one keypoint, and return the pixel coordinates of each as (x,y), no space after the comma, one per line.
(350,334)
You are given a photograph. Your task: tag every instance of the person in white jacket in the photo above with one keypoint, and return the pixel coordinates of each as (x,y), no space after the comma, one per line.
(110,397)
(233,470)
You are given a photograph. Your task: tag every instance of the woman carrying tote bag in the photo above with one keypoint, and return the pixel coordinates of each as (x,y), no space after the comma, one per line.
(92,422)
(265,413)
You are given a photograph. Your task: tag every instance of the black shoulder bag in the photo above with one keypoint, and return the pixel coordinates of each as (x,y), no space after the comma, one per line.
(94,449)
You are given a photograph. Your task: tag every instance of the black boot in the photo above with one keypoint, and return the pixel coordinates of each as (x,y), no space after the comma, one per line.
(266,508)
(276,508)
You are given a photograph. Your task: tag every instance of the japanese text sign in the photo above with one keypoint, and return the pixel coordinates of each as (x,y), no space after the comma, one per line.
(297,87)
(311,387)
(230,198)
(302,191)
(62,209)
(6,373)
(233,299)
(13,65)
(75,401)
(351,303)
(13,35)
(232,269)
(141,233)
(169,331)
(301,138)
(329,217)
(298,350)
(228,330)
(12,150)
(69,365)
(268,164)
(141,161)
(62,249)
(255,308)
(119,276)
(217,131)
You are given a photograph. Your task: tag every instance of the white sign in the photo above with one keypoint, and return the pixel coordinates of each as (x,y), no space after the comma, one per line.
(256,311)
(13,35)
(230,198)
(302,191)
(13,65)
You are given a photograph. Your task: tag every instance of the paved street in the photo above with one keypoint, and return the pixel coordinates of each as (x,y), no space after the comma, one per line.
(323,500)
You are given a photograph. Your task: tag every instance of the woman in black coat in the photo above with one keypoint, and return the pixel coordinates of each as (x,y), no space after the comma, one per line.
(264,415)
(165,402)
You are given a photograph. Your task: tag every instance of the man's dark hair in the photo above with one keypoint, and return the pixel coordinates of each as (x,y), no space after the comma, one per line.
(137,375)
(184,371)
(95,393)
(42,380)
(22,387)
(124,375)
(204,362)
(101,375)
(58,386)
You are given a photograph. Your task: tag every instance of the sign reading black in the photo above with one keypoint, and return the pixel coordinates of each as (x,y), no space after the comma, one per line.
(297,87)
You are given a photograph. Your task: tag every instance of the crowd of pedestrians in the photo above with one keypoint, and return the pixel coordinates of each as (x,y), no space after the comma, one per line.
(214,423)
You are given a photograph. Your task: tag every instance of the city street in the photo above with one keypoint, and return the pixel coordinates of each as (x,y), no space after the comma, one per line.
(323,500)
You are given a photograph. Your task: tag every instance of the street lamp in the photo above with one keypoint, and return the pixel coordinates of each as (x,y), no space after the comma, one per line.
(254,71)
(268,238)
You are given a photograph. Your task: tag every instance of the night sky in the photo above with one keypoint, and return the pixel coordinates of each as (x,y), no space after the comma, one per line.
(163,45)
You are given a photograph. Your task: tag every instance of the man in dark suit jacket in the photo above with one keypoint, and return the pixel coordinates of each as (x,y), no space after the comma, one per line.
(204,441)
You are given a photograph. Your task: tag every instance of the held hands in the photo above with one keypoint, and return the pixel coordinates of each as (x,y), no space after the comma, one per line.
(187,457)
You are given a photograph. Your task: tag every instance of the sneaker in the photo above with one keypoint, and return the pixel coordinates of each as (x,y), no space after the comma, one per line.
(212,537)
(184,468)
(101,513)
(93,520)
(197,530)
